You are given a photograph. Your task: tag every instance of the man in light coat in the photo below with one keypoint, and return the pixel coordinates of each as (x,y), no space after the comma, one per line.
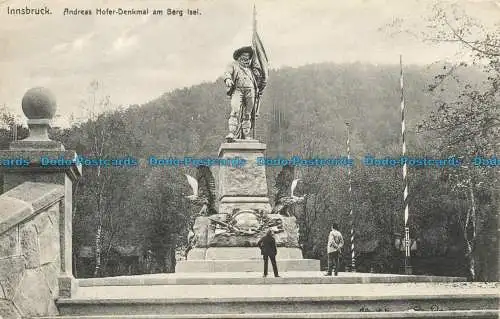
(334,248)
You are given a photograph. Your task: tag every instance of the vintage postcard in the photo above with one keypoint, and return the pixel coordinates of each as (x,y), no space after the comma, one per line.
(249,159)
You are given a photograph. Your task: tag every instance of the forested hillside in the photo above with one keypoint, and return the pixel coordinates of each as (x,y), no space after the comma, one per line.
(303,113)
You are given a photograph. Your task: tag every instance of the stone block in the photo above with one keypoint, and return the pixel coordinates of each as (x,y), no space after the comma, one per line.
(12,212)
(247,180)
(232,253)
(8,310)
(197,254)
(33,297)
(52,309)
(39,194)
(36,173)
(201,231)
(11,271)
(30,247)
(9,243)
(51,274)
(53,215)
(253,253)
(67,286)
(228,204)
(42,221)
(246,265)
(290,236)
(49,242)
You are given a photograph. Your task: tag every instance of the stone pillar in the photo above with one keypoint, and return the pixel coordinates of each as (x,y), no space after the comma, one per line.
(243,187)
(39,106)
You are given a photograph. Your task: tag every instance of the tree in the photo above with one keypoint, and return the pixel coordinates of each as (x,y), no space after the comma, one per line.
(167,214)
(469,125)
(103,136)
(10,128)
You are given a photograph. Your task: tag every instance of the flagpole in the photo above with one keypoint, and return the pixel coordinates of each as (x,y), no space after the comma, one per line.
(14,130)
(405,170)
(257,99)
(260,62)
(254,18)
(351,215)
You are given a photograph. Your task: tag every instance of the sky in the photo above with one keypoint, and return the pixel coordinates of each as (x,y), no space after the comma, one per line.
(138,58)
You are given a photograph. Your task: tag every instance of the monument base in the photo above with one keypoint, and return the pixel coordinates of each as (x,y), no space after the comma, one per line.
(249,265)
(227,241)
(240,253)
(243,259)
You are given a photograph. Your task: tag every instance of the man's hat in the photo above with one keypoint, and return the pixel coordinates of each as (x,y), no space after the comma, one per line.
(242,50)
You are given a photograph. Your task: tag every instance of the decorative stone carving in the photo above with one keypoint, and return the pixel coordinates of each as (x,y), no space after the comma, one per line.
(244,229)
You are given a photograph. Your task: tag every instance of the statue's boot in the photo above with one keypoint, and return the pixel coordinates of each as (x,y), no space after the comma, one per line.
(230,137)
(245,126)
(233,127)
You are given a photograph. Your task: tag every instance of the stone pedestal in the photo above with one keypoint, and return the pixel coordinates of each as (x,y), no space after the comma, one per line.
(243,187)
(227,241)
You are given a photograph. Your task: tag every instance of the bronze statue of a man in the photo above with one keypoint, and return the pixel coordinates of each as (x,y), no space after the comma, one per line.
(242,81)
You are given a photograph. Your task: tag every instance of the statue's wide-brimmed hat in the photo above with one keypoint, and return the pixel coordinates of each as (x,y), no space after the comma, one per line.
(242,50)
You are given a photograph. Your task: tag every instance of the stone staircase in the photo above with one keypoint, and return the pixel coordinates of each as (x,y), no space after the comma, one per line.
(294,295)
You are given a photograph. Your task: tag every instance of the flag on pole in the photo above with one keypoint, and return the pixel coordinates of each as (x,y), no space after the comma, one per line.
(260,64)
(259,60)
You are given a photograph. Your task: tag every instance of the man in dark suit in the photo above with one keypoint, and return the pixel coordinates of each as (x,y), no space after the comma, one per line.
(268,250)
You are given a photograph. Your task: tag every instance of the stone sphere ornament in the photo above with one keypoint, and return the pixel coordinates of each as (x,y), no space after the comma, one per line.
(39,103)
(39,106)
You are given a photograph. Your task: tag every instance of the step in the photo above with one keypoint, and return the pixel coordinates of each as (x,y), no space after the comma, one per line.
(276,298)
(255,278)
(239,253)
(457,314)
(244,265)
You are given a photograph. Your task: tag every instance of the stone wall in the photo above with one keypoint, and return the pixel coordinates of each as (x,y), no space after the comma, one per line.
(30,250)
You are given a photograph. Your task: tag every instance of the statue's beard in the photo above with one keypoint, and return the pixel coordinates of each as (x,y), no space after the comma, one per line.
(245,63)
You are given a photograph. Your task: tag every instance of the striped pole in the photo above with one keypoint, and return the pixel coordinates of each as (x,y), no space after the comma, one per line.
(351,216)
(405,180)
(14,129)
